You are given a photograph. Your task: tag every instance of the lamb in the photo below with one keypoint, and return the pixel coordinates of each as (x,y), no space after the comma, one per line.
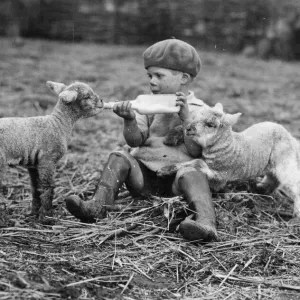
(38,143)
(265,149)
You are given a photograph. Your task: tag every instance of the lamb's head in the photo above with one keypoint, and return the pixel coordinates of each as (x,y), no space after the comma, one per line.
(80,96)
(211,125)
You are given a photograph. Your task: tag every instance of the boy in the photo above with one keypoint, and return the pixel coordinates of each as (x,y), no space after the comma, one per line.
(171,67)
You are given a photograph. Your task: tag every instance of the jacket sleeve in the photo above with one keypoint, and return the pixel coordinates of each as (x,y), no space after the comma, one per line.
(143,122)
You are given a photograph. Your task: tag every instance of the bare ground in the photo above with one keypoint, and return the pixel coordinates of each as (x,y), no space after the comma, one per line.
(137,253)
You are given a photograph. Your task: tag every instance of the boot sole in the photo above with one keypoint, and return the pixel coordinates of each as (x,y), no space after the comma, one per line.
(75,209)
(194,231)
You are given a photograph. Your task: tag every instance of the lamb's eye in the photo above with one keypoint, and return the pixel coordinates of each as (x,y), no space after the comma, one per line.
(210,124)
(87,96)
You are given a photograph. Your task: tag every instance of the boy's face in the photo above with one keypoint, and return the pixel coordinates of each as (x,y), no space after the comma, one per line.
(164,81)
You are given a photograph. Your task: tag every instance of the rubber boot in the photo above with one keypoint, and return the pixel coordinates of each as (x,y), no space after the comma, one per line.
(113,176)
(202,224)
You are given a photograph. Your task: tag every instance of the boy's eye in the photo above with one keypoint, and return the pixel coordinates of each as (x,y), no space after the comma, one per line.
(149,76)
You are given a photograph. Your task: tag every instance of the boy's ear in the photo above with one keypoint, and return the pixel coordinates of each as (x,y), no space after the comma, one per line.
(185,78)
(231,119)
(56,87)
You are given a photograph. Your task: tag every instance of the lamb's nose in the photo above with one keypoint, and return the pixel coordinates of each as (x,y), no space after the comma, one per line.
(100,102)
(190,127)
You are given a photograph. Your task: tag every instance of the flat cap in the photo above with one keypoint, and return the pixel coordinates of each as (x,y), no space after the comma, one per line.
(173,54)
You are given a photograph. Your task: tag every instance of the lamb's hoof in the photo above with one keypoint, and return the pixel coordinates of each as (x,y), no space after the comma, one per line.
(83,210)
(263,189)
(166,171)
(195,231)
(46,221)
(42,218)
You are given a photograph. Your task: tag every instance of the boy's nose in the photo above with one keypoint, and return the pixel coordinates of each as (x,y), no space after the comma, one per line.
(152,83)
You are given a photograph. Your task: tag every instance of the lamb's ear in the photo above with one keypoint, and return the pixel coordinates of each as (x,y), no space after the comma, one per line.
(219,107)
(56,87)
(68,96)
(231,119)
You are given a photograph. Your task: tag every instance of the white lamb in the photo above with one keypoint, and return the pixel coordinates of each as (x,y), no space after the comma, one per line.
(39,142)
(263,149)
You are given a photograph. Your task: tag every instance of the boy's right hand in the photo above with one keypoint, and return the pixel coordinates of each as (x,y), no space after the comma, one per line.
(123,109)
(184,113)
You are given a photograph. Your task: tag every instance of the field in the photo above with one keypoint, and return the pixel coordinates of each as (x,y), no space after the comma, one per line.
(136,253)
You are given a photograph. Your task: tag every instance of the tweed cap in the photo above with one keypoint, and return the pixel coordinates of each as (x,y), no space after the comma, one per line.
(173,54)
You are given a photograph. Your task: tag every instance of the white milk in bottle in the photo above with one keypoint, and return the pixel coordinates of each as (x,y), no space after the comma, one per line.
(152,104)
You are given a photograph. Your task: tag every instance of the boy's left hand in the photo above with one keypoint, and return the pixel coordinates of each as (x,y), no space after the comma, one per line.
(181,101)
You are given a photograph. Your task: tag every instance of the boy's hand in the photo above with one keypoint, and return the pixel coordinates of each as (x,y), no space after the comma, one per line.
(181,101)
(123,110)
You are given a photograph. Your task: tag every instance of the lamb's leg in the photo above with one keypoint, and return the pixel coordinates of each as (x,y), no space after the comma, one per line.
(201,166)
(293,192)
(267,185)
(289,183)
(36,201)
(45,189)
(2,186)
(198,164)
(3,167)
(296,198)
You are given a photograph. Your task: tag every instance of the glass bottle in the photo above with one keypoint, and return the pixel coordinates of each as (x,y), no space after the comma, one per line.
(151,104)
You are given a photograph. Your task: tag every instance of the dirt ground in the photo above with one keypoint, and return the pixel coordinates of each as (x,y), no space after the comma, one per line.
(136,253)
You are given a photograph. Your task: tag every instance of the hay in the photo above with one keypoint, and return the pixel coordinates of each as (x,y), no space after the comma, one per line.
(132,252)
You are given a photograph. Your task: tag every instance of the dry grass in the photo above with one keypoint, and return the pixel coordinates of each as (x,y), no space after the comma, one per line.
(136,253)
